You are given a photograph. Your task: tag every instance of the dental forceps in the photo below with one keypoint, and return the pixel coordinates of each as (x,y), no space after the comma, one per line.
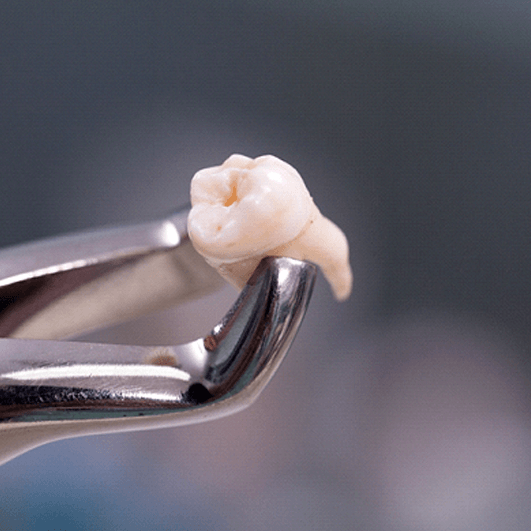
(51,388)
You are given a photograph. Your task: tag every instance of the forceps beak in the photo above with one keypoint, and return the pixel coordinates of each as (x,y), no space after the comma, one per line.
(52,389)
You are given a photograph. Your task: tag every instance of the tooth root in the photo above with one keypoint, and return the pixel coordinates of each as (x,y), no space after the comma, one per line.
(247,209)
(324,244)
(237,273)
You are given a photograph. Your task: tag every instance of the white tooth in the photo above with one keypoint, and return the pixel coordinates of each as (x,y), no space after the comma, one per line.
(247,208)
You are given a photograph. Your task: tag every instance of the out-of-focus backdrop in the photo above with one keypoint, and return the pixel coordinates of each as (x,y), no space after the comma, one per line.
(404,409)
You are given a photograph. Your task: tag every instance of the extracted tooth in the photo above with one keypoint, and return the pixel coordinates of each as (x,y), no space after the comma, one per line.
(247,209)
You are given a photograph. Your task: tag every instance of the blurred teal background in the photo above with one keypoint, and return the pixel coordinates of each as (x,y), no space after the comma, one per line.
(406,408)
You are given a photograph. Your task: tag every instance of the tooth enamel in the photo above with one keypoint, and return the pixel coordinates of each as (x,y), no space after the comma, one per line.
(247,209)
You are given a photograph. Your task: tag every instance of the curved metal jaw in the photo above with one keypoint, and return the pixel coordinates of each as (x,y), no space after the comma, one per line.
(51,389)
(44,380)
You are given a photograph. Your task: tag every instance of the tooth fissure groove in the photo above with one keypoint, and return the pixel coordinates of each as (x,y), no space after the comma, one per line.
(233,198)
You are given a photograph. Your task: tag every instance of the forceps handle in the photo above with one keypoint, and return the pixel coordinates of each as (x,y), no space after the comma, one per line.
(69,285)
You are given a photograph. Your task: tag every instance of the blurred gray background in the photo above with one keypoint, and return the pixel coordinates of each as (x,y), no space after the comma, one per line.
(404,409)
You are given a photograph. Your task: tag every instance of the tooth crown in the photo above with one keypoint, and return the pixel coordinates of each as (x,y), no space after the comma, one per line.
(246,209)
(246,206)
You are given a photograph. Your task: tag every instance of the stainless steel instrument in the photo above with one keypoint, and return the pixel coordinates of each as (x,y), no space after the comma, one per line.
(58,288)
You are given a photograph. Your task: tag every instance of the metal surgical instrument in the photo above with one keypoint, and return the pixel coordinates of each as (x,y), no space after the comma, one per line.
(52,389)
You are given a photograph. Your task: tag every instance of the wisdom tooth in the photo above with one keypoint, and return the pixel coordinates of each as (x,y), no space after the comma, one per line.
(247,209)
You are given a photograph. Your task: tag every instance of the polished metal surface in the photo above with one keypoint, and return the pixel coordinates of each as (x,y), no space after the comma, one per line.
(52,389)
(219,374)
(68,285)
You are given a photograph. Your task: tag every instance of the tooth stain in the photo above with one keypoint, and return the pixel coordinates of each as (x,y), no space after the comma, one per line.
(233,198)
